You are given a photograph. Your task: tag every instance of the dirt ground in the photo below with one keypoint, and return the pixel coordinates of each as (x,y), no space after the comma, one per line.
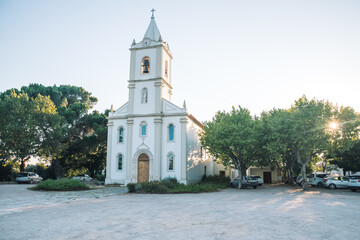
(269,212)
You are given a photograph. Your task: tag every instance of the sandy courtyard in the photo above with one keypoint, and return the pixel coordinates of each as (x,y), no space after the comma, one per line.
(269,212)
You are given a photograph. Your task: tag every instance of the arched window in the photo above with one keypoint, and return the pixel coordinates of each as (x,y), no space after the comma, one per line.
(143,129)
(145,67)
(121,135)
(171,132)
(170,162)
(166,68)
(144,95)
(120,161)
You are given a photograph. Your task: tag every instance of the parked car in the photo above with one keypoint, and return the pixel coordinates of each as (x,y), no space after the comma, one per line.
(317,179)
(258,178)
(354,183)
(247,181)
(28,177)
(336,182)
(299,180)
(83,177)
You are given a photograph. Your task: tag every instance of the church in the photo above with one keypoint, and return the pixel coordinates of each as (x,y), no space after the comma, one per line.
(149,137)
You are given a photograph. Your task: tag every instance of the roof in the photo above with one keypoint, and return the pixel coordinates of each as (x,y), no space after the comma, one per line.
(152,31)
(196,121)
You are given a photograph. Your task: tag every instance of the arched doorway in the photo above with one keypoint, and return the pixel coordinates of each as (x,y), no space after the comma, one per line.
(143,168)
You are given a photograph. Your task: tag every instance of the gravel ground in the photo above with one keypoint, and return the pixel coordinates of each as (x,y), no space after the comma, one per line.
(269,212)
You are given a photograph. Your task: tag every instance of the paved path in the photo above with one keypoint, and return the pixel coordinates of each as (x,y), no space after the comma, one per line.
(266,213)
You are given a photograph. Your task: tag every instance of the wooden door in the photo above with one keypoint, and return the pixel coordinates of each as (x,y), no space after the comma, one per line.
(143,168)
(267,177)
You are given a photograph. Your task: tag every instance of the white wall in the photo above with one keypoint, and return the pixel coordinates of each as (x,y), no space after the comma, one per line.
(195,163)
(171,146)
(116,175)
(144,108)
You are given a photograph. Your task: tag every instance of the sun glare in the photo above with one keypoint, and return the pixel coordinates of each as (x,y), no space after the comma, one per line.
(334,125)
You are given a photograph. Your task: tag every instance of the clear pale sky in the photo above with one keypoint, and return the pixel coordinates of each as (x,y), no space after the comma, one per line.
(257,54)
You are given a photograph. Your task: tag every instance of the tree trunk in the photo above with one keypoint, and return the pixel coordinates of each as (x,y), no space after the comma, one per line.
(240,176)
(303,170)
(22,165)
(57,168)
(303,173)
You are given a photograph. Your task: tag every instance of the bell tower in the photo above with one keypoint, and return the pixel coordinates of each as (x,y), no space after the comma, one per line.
(150,72)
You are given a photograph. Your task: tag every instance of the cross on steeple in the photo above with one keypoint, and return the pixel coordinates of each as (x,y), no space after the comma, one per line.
(152,12)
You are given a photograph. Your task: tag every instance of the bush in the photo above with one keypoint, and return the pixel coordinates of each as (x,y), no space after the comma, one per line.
(131,187)
(154,187)
(171,185)
(215,179)
(197,188)
(100,177)
(61,185)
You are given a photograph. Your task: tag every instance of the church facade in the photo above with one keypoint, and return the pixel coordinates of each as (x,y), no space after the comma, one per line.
(149,137)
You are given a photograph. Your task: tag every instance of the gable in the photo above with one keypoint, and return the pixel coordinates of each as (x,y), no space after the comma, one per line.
(123,110)
(169,107)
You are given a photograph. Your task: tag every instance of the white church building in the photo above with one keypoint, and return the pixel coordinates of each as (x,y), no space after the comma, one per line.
(150,138)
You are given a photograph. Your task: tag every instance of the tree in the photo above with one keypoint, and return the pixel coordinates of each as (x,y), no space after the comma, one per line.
(89,151)
(231,138)
(309,138)
(275,139)
(26,125)
(349,160)
(71,105)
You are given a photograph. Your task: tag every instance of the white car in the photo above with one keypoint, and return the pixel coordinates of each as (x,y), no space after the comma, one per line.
(83,177)
(336,182)
(317,179)
(258,178)
(28,177)
(299,180)
(354,183)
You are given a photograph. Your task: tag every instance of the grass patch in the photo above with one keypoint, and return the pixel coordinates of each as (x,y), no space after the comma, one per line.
(170,185)
(61,185)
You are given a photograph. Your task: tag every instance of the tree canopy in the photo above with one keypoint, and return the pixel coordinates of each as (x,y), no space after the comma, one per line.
(52,123)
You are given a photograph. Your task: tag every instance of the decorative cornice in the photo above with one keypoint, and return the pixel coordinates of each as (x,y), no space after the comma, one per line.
(128,116)
(158,120)
(129,121)
(184,120)
(156,80)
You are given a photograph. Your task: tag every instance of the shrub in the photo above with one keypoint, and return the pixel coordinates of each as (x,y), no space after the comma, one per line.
(215,179)
(197,188)
(61,185)
(100,177)
(154,187)
(131,187)
(170,183)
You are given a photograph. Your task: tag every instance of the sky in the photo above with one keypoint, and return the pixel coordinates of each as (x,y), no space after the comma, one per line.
(257,54)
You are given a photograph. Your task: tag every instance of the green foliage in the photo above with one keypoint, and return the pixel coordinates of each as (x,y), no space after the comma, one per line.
(154,187)
(26,126)
(53,123)
(231,138)
(131,187)
(43,171)
(61,185)
(349,160)
(197,188)
(171,185)
(217,179)
(100,177)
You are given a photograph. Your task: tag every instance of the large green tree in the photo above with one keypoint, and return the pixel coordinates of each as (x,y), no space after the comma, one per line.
(231,138)
(26,126)
(89,151)
(306,127)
